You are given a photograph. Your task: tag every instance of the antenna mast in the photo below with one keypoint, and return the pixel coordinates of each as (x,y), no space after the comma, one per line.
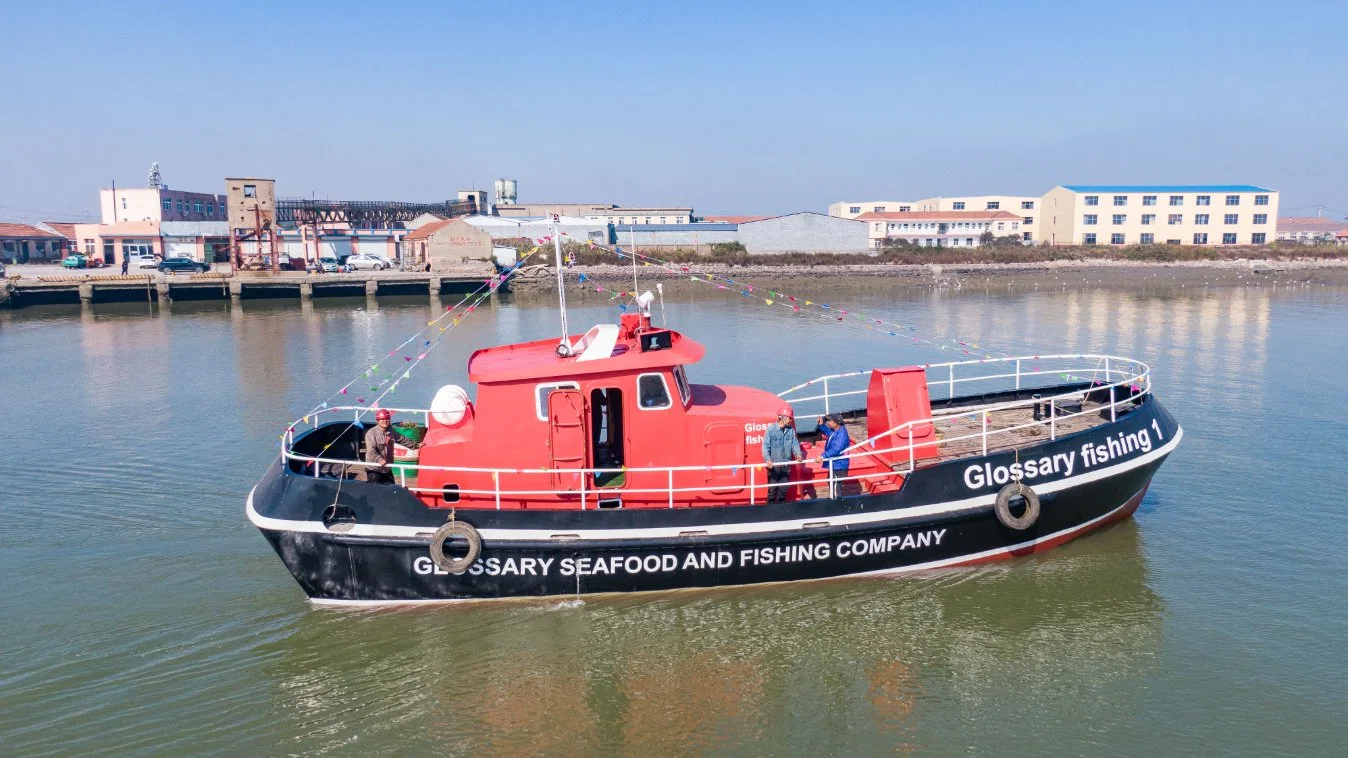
(563,347)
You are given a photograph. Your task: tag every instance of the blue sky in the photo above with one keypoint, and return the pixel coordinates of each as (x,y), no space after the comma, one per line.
(728,107)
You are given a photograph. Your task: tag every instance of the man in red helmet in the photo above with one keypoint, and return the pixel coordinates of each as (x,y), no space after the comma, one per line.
(379,448)
(781,449)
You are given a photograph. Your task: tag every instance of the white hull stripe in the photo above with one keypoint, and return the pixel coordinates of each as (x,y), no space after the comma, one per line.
(752,527)
(1001,552)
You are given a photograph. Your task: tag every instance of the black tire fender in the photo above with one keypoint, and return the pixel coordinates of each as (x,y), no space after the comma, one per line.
(455,529)
(1003,506)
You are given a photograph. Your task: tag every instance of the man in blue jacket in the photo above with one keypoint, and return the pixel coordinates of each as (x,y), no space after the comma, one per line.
(836,441)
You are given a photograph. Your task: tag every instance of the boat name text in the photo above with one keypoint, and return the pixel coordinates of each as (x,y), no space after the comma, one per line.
(1093,454)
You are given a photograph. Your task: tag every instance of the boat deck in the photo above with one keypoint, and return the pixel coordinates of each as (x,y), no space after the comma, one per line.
(960,436)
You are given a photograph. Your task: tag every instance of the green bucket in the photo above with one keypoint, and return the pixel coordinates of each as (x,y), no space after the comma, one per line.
(399,468)
(416,433)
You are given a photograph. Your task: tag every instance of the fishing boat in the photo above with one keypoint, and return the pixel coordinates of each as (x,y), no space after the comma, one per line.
(595,463)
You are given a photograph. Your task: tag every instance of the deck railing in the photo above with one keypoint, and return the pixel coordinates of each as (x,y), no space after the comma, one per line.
(1122,380)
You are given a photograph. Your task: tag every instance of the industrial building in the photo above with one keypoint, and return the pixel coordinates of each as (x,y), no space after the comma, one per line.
(943,228)
(804,232)
(449,245)
(572,227)
(698,237)
(1121,214)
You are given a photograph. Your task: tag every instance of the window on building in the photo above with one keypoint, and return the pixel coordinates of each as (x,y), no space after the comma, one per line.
(1116,239)
(1148,219)
(1200,238)
(1261,218)
(958,205)
(1203,200)
(1177,199)
(662,219)
(1229,238)
(1029,220)
(854,209)
(1001,225)
(168,204)
(1261,199)
(250,190)
(905,208)
(1027,205)
(182,207)
(196,206)
(1120,219)
(1148,238)
(1092,200)
(1231,218)
(1201,219)
(648,220)
(1175,219)
(210,209)
(1026,237)
(994,205)
(1120,200)
(879,209)
(1233,199)
(1088,219)
(88,247)
(1088,239)
(969,241)
(1149,200)
(1257,238)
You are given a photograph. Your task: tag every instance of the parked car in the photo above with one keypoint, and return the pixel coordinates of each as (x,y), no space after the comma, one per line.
(142,260)
(75,261)
(361,261)
(329,265)
(173,265)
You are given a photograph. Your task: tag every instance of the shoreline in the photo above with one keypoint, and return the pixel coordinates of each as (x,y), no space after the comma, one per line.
(1113,273)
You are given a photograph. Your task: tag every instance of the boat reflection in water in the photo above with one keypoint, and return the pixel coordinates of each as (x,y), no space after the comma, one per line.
(871,664)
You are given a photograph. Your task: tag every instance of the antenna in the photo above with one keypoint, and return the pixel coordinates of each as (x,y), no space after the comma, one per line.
(154,175)
(563,347)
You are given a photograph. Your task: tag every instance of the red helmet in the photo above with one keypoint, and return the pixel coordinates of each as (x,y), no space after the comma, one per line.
(785,410)
(382,414)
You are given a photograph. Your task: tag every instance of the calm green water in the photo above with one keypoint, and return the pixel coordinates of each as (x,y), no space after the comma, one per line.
(141,614)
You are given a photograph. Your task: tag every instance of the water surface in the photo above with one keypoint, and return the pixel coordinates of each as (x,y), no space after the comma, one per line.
(142,614)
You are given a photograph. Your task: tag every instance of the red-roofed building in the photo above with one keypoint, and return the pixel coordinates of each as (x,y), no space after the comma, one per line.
(447,244)
(943,228)
(21,243)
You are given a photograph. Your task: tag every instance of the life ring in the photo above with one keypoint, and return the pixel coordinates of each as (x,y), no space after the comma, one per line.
(1003,507)
(455,529)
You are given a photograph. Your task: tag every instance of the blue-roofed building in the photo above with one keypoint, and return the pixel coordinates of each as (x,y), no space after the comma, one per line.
(1144,214)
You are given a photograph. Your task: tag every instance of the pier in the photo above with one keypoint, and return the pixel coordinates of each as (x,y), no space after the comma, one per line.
(86,289)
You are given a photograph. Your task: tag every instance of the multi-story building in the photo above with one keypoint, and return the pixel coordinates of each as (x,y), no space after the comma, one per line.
(157,204)
(1309,230)
(1221,214)
(1020,205)
(943,228)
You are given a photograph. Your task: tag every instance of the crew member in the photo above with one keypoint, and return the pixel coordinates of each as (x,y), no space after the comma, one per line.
(781,449)
(836,442)
(379,447)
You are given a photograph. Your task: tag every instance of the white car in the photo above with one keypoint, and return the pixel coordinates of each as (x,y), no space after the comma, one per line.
(366,260)
(142,260)
(328,265)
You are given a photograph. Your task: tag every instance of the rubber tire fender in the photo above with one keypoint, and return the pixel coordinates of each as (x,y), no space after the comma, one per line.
(455,529)
(1003,506)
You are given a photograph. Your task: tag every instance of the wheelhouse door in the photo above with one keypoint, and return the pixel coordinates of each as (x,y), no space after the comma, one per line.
(566,436)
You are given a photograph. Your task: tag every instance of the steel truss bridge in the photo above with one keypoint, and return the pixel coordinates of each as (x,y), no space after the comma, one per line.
(294,212)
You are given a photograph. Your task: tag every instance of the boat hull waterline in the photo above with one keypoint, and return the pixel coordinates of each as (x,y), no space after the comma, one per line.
(938,519)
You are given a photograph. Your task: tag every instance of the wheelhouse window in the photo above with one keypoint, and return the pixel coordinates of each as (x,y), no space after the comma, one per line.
(541,393)
(681,381)
(653,393)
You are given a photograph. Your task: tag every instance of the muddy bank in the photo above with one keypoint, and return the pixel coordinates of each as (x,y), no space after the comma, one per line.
(1051,275)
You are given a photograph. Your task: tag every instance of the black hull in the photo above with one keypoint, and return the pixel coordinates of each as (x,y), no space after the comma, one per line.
(938,519)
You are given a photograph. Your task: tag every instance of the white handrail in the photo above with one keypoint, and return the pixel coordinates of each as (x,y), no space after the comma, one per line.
(1139,381)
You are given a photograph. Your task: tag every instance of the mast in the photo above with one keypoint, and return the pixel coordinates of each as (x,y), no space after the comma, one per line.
(563,347)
